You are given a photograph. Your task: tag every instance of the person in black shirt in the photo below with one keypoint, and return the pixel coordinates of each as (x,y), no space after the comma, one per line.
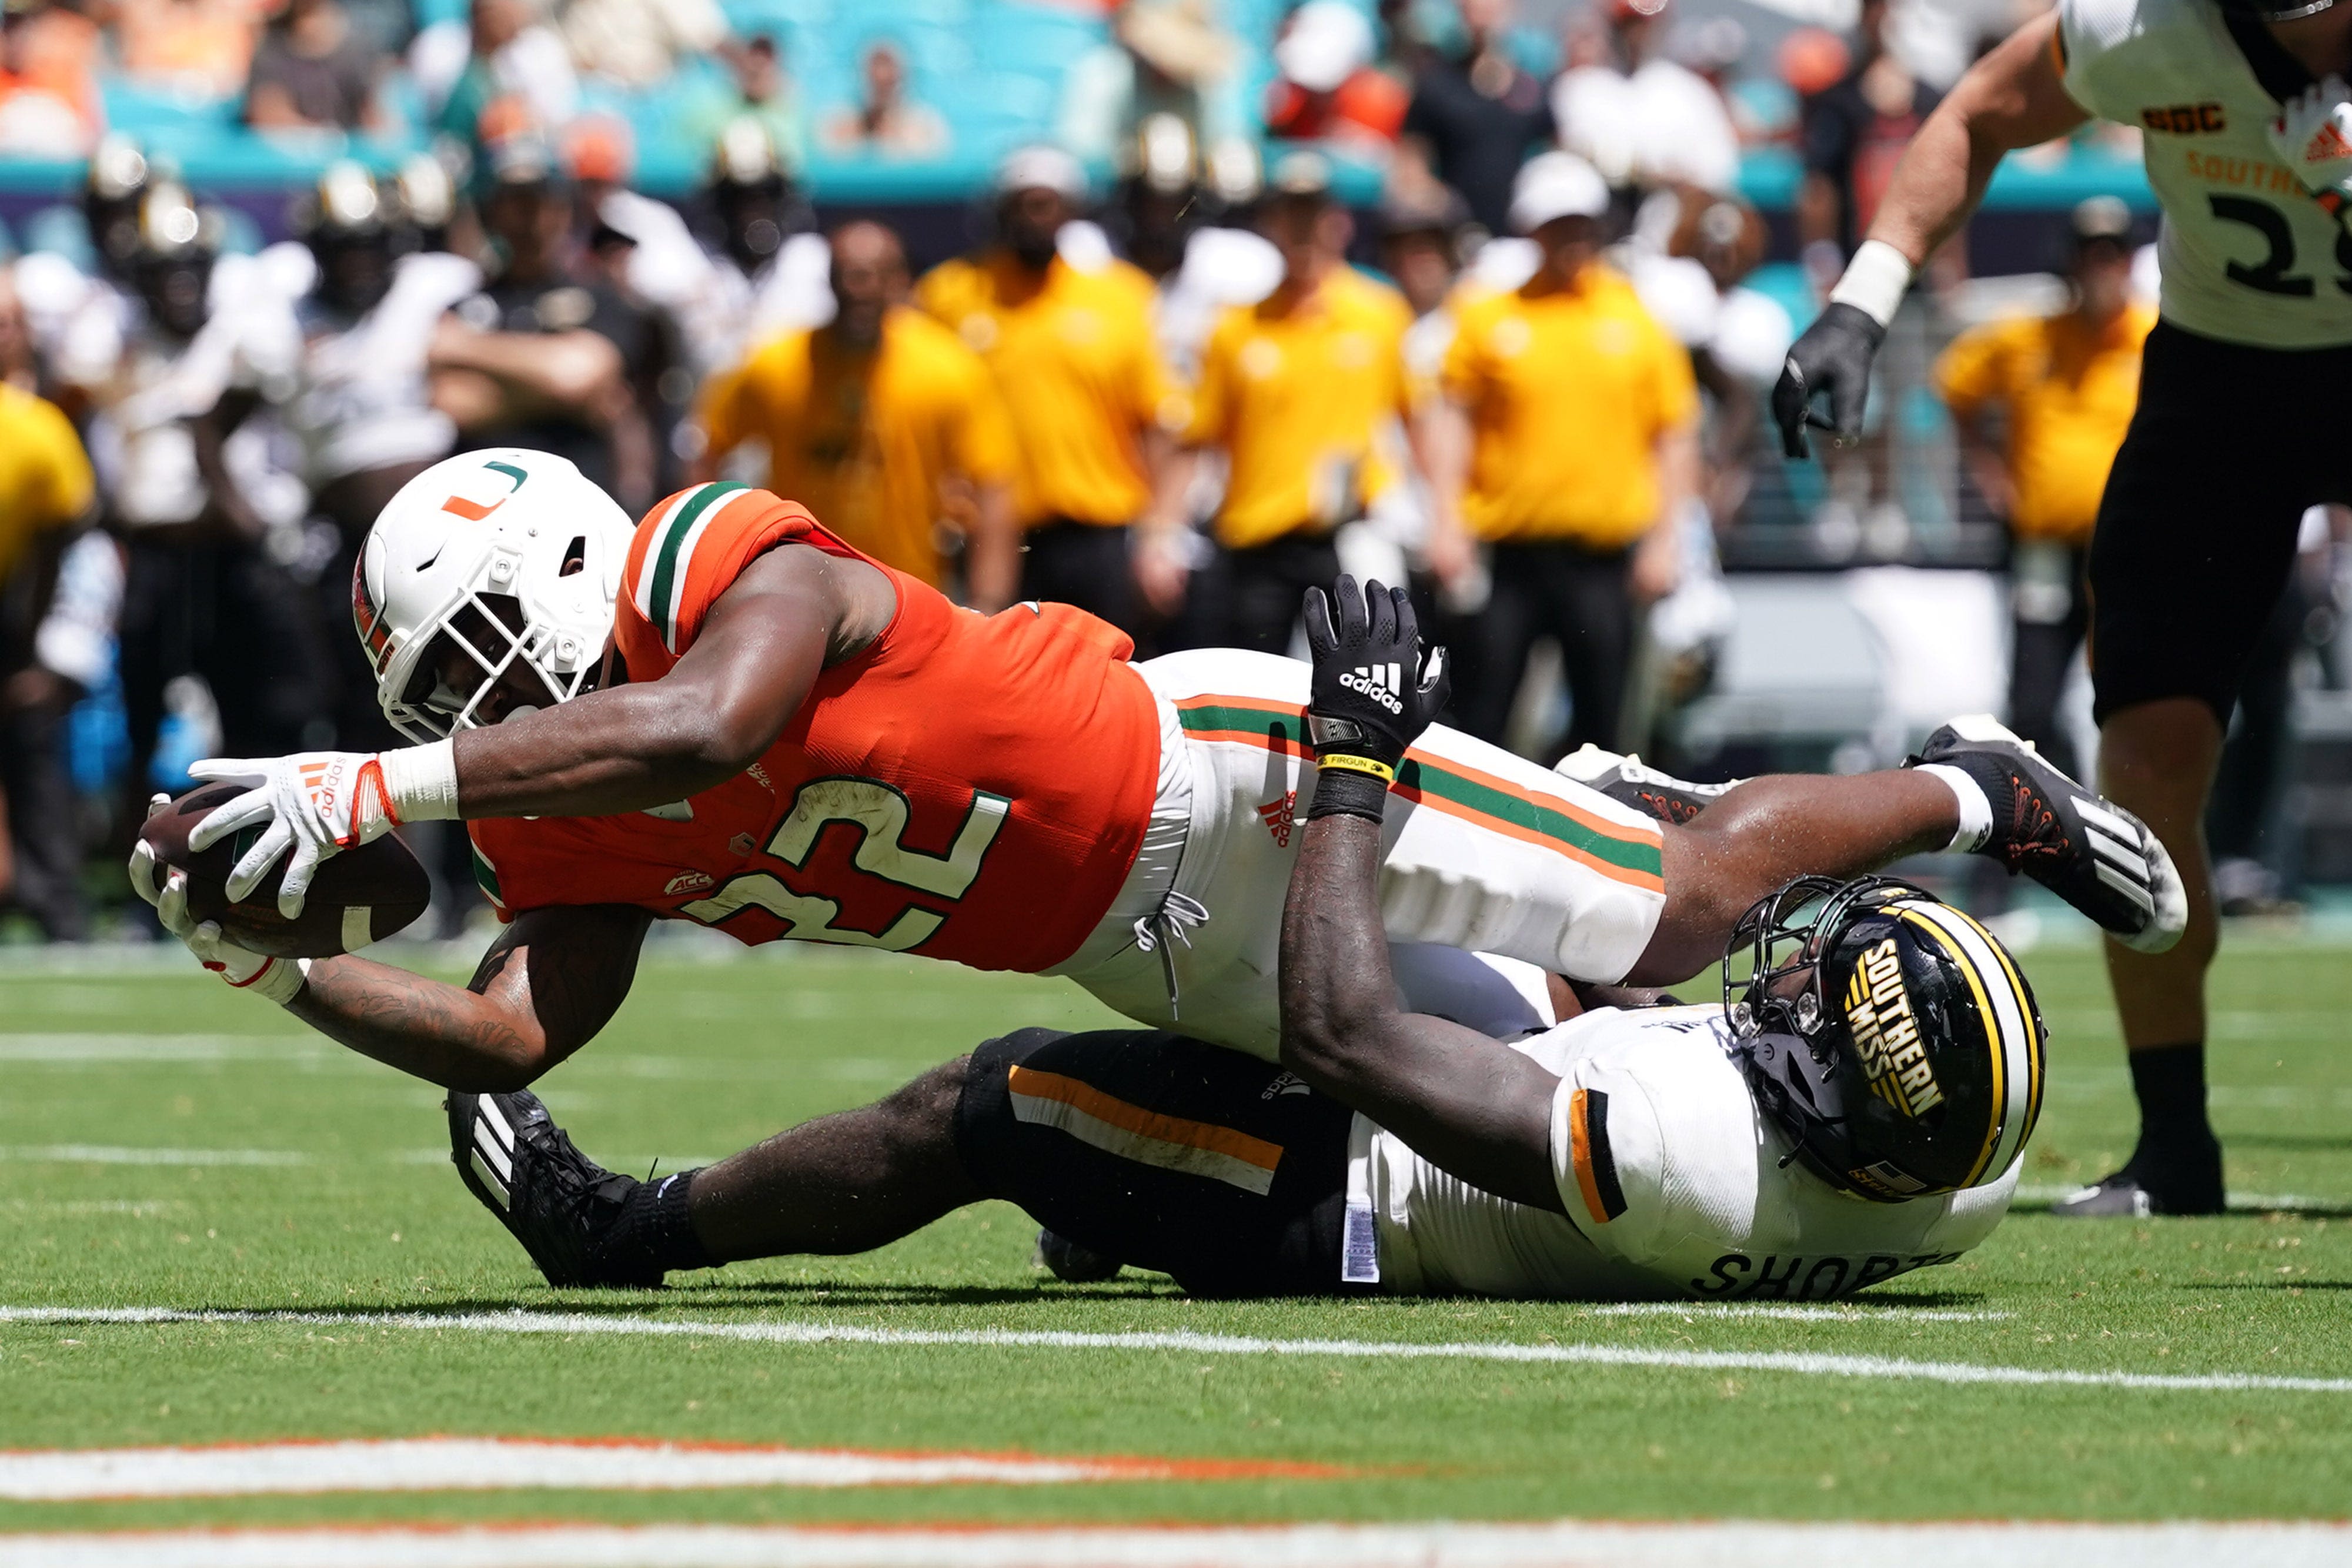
(1476,116)
(1851,133)
(538,290)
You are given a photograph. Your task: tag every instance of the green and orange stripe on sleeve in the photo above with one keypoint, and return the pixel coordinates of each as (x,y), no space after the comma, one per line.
(1623,852)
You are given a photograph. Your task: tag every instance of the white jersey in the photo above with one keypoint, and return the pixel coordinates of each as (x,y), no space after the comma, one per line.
(1674,1183)
(354,391)
(2248,256)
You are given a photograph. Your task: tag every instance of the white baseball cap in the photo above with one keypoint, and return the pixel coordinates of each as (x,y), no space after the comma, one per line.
(1328,41)
(1556,186)
(1042,167)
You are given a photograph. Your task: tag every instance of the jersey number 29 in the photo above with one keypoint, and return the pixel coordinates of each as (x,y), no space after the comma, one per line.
(879,813)
(2274,274)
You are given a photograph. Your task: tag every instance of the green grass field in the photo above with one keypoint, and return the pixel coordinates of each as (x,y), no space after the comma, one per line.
(170,1145)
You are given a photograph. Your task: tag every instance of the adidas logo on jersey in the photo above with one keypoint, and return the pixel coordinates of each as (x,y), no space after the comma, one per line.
(1382,683)
(1286,1083)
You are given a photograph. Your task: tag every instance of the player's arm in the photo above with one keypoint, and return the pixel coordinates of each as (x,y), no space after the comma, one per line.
(1463,1101)
(762,645)
(2015,96)
(551,981)
(765,640)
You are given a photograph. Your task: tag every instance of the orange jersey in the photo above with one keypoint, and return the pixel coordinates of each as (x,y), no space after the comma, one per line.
(968,786)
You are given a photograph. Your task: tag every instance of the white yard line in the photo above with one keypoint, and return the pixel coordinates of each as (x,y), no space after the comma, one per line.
(76,1049)
(1566,1543)
(2240,1202)
(117,1154)
(1843,1313)
(507,1464)
(1803,1364)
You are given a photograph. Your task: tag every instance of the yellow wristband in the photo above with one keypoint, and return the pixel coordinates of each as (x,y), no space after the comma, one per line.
(1355,764)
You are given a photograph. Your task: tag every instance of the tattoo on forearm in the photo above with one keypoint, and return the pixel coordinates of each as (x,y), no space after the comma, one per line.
(421,1026)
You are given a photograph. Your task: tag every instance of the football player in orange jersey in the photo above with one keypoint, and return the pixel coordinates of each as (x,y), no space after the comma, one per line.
(741,721)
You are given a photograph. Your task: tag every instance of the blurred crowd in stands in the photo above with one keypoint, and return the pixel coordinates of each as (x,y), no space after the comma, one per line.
(1174,378)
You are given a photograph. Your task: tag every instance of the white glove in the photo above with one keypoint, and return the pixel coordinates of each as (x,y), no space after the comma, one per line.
(280,979)
(320,803)
(2313,135)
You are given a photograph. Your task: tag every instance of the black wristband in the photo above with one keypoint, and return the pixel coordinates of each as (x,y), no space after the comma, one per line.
(1344,793)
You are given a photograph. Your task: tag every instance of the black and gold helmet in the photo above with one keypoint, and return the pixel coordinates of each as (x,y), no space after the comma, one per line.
(1890,1035)
(354,227)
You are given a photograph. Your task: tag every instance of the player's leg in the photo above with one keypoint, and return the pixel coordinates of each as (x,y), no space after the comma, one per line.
(2189,556)
(2160,756)
(1499,856)
(1157,1151)
(844,1183)
(1592,609)
(2047,619)
(1506,632)
(1490,852)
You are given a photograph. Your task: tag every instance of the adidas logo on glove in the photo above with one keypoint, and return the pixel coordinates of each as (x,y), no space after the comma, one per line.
(1382,683)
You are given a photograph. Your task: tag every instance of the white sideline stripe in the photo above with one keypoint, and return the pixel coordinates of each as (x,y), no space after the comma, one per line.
(497,1464)
(115,1155)
(1843,1313)
(1803,1363)
(2240,1202)
(1554,1544)
(80,1048)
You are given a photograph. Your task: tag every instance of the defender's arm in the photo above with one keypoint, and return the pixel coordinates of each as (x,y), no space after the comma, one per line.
(1462,1099)
(1466,1102)
(2015,96)
(548,984)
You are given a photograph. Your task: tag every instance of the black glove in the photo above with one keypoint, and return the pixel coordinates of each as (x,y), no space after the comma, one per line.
(1832,355)
(1375,690)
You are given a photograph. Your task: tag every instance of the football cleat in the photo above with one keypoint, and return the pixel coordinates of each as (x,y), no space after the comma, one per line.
(559,1203)
(1626,781)
(2087,849)
(1073,1264)
(2136,1193)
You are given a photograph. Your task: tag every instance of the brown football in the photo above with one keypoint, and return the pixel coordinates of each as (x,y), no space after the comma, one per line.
(359,896)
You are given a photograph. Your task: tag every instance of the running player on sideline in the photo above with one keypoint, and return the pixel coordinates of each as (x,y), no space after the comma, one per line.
(2247,123)
(810,746)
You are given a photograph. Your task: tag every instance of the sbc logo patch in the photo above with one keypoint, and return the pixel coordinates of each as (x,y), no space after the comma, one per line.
(2184,118)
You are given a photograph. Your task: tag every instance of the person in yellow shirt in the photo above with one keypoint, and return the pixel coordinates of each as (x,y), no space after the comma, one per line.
(1566,444)
(1294,391)
(2065,386)
(46,495)
(1072,349)
(880,422)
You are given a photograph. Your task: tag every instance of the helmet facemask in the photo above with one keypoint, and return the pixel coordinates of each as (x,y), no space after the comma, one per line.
(482,659)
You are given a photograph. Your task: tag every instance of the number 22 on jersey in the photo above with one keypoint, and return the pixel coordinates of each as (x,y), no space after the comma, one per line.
(879,813)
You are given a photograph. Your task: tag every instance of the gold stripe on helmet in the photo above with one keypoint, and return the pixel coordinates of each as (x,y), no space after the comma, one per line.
(1967,967)
(2035,1067)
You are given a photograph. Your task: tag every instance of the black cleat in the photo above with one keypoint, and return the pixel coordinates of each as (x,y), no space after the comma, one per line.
(2087,849)
(1072,1263)
(1624,780)
(2142,1188)
(559,1203)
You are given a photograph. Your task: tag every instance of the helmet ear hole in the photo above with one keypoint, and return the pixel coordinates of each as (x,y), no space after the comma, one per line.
(575,557)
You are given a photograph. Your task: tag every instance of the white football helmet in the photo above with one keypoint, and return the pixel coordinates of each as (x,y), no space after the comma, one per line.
(520,538)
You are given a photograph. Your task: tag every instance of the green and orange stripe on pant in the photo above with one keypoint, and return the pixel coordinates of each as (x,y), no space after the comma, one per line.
(1622,854)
